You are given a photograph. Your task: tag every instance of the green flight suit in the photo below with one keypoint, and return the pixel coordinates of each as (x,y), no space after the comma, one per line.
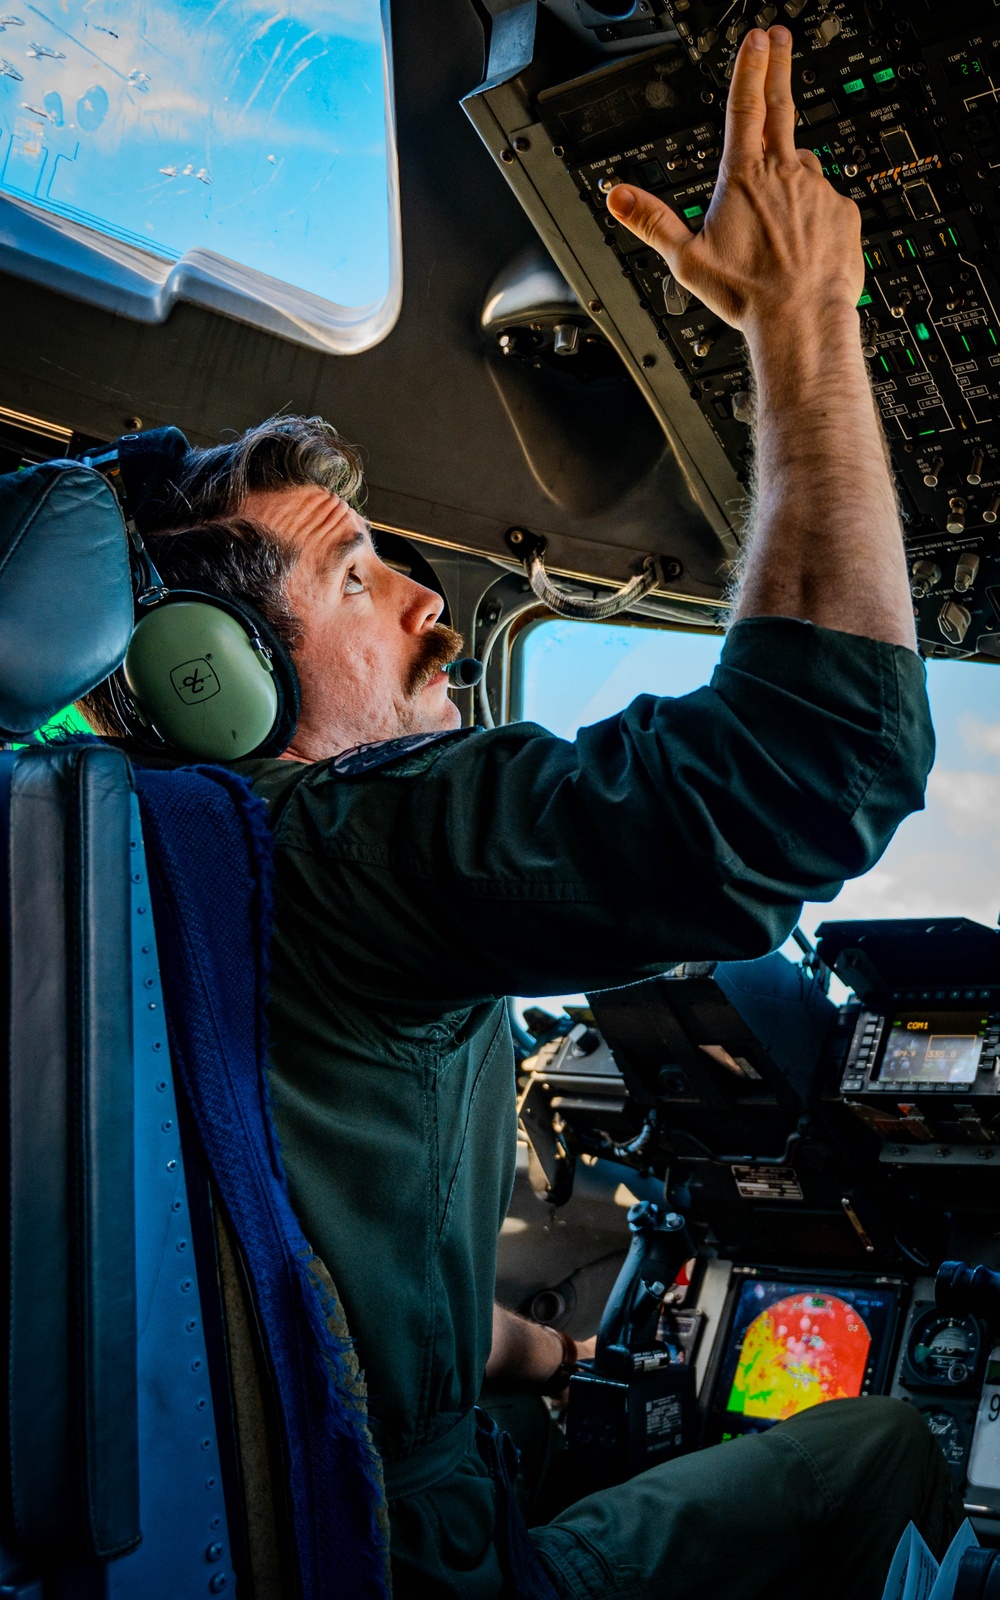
(411,898)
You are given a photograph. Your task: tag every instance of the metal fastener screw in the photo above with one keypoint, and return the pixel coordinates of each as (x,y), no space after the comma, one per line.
(133,424)
(522,144)
(507,156)
(594,306)
(649,361)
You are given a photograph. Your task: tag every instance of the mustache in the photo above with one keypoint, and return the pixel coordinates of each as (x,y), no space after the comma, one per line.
(440,647)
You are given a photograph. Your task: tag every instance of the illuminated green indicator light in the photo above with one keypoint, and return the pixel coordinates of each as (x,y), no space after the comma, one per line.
(868,260)
(992,335)
(693,211)
(910,246)
(922,331)
(925,431)
(883,75)
(854,86)
(865,300)
(951,235)
(966,343)
(884,362)
(911,357)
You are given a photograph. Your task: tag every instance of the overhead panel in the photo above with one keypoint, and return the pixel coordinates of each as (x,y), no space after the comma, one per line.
(902,106)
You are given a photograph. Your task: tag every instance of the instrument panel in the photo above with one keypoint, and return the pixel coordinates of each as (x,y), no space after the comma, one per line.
(902,106)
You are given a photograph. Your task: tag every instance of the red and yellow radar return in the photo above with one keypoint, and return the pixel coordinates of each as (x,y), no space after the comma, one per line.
(800,1352)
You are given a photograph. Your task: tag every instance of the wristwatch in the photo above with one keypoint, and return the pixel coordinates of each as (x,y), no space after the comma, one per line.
(564,1371)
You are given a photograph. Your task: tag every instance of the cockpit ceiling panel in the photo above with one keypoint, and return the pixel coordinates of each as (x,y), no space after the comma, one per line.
(460,444)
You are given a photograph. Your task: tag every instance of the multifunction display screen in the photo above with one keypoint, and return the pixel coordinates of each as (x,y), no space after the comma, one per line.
(794,1346)
(943,1047)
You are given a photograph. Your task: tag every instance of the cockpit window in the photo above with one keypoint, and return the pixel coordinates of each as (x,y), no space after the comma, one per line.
(231,152)
(944,860)
(575,673)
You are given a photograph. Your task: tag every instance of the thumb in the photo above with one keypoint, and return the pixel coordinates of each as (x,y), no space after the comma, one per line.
(650,220)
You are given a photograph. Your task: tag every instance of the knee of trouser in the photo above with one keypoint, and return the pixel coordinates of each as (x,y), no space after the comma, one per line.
(895,1426)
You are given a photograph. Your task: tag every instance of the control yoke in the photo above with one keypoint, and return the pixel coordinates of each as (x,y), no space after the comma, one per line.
(660,1246)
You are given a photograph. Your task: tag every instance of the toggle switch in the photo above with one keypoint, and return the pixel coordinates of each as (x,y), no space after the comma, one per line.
(953,621)
(955,520)
(992,510)
(923,576)
(676,298)
(975,472)
(826,31)
(933,474)
(966,571)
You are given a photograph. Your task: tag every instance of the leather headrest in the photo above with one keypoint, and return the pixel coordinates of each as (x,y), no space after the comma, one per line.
(65,590)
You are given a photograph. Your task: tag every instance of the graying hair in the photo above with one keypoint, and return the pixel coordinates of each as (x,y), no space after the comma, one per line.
(281,453)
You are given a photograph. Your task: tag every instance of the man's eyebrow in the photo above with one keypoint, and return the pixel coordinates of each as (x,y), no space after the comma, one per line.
(344,549)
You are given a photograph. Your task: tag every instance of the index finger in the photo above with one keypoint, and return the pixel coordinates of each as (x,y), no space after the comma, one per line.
(746,107)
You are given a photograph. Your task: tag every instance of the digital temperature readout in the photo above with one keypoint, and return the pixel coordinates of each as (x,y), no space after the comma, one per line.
(943,1048)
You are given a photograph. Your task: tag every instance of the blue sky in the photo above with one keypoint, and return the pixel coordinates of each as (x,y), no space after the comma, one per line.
(944,860)
(255,129)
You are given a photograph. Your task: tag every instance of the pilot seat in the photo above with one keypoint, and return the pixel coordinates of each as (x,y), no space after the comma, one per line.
(184,1413)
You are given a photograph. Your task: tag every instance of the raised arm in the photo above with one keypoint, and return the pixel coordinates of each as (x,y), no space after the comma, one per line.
(779,257)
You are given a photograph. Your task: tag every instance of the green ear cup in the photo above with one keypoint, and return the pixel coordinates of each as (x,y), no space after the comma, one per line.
(196,677)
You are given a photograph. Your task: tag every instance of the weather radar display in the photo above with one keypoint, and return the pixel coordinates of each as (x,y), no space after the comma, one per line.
(799,1352)
(795,1345)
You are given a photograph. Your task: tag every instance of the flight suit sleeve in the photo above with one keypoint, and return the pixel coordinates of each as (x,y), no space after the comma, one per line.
(681,829)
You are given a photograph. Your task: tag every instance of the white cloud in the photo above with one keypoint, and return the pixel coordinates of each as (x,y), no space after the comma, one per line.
(932,867)
(970,801)
(980,735)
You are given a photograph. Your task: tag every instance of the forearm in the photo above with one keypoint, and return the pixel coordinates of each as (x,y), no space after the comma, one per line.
(522,1349)
(779,256)
(825,543)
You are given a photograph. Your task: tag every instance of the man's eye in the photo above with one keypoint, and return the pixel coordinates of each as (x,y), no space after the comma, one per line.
(353,584)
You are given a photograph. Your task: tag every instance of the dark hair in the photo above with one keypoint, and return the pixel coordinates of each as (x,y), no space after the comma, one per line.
(281,453)
(204,543)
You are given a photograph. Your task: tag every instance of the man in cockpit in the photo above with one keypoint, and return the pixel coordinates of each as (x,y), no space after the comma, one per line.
(418,885)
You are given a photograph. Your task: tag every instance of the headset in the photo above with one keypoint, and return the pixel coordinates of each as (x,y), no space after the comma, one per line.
(204,675)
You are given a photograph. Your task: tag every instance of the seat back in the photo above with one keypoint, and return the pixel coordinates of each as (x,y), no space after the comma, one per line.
(111,1282)
(70,1162)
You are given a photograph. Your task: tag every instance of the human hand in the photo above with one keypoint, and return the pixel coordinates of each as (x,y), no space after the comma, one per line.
(777,236)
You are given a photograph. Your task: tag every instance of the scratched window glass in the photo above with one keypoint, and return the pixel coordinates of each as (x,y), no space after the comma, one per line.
(256,130)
